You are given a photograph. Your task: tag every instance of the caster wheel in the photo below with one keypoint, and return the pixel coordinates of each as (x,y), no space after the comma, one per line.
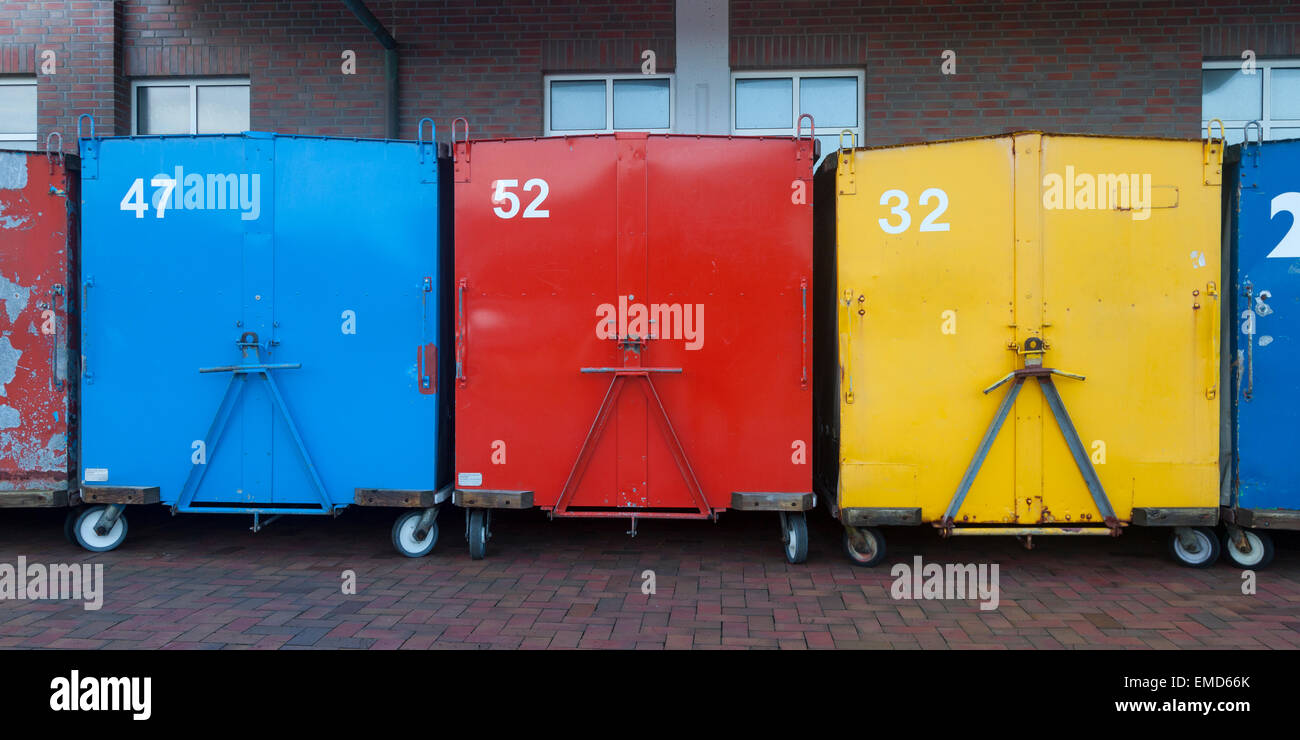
(84,530)
(1200,549)
(796,538)
(865,546)
(70,525)
(404,535)
(1258,553)
(477,533)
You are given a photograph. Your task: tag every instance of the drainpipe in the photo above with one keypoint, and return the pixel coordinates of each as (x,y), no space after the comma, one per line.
(368,19)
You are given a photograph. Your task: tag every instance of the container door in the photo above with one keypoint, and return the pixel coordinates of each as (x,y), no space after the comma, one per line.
(730,295)
(356,284)
(1268,321)
(1127,248)
(34,329)
(163,268)
(535,266)
(925,312)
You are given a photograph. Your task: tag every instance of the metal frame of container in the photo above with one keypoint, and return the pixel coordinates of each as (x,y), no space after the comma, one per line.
(962,266)
(585,410)
(38,352)
(1261,255)
(322,266)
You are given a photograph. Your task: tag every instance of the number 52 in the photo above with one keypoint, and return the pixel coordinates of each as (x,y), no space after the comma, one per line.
(501,195)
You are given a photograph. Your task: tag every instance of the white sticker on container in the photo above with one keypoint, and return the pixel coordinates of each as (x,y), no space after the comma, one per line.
(469,479)
(96,475)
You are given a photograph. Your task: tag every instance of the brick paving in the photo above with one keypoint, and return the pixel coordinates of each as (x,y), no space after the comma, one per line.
(207,582)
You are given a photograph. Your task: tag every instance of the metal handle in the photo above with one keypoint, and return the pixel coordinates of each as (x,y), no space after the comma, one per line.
(419,136)
(847,353)
(1211,361)
(425,289)
(798,128)
(803,353)
(55,367)
(251,368)
(1247,141)
(853,139)
(85,313)
(1250,342)
(464,120)
(460,333)
(52,151)
(90,118)
(1209,134)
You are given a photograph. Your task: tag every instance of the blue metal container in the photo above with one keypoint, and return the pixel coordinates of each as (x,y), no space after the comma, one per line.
(260,328)
(1262,190)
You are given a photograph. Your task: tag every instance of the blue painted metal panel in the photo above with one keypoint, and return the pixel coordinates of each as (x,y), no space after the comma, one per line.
(262,335)
(1265,237)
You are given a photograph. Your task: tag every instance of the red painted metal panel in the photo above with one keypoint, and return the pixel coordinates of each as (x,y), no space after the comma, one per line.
(37,249)
(633,320)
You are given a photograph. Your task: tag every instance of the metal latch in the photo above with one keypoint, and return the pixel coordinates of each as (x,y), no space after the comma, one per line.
(1212,154)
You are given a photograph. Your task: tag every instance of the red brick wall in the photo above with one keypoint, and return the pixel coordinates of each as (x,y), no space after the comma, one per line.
(86,72)
(458,57)
(1120,66)
(1073,66)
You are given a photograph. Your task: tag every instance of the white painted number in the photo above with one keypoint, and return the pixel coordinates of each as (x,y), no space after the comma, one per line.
(134,199)
(1290,244)
(929,223)
(501,194)
(162,196)
(900,210)
(168,185)
(543,190)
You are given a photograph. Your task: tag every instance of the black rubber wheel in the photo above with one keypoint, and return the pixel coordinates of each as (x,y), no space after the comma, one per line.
(864,546)
(1202,554)
(1258,556)
(796,538)
(70,525)
(404,535)
(84,530)
(477,533)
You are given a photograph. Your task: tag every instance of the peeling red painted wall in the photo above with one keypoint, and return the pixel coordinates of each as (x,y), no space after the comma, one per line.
(36,252)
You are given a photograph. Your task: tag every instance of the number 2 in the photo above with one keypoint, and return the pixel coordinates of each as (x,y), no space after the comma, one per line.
(1290,244)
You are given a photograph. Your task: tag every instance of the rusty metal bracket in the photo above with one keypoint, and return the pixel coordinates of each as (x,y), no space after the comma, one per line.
(622,376)
(238,379)
(1063,422)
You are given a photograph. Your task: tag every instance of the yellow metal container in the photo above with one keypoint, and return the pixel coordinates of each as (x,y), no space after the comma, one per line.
(1083,269)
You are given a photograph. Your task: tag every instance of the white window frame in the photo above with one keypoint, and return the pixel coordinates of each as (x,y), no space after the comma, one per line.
(1263,67)
(609,102)
(15,81)
(796,75)
(193,83)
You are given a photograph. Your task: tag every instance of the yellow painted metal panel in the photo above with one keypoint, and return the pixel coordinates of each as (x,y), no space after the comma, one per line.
(925,313)
(1128,306)
(951,255)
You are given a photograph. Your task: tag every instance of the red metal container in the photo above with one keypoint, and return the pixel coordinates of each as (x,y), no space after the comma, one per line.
(37,337)
(633,328)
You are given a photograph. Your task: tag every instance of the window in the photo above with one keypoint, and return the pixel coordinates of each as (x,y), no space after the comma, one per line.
(593,104)
(18,113)
(178,106)
(1270,96)
(770,103)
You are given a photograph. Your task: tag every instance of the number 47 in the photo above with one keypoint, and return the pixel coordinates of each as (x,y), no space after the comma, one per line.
(134,198)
